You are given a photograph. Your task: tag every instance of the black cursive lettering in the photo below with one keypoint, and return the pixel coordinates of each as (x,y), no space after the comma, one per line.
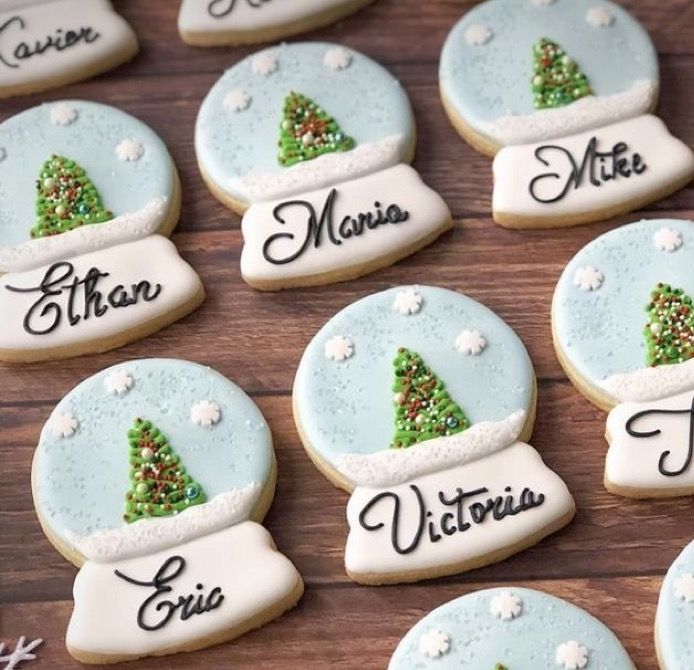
(220,8)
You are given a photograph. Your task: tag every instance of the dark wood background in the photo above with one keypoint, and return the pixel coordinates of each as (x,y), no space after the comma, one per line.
(610,560)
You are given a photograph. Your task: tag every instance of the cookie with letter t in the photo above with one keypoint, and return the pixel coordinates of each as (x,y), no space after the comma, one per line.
(563,93)
(419,401)
(623,324)
(312,141)
(49,43)
(153,476)
(510,629)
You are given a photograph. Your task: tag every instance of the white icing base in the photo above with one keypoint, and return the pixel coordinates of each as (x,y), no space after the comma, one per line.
(124,228)
(157,534)
(651,383)
(395,466)
(589,112)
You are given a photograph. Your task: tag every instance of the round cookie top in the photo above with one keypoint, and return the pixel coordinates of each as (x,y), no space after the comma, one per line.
(296,117)
(622,314)
(493,56)
(509,629)
(93,457)
(350,396)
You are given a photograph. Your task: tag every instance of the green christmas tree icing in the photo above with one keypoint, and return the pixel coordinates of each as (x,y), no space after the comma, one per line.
(66,199)
(670,328)
(307,132)
(160,485)
(423,408)
(557,79)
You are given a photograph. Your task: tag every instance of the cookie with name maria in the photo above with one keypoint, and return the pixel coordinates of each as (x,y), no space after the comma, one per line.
(418,401)
(510,629)
(312,141)
(563,93)
(153,476)
(623,327)
(208,23)
(89,192)
(49,43)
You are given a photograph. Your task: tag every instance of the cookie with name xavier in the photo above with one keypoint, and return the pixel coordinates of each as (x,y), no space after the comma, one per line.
(418,401)
(311,143)
(89,194)
(563,92)
(153,477)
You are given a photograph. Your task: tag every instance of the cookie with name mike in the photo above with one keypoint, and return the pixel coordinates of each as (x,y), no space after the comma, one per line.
(312,142)
(419,401)
(153,477)
(563,94)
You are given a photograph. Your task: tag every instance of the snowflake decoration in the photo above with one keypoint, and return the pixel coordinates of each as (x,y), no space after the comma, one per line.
(265,63)
(684,587)
(542,3)
(205,413)
(506,606)
(63,114)
(337,59)
(64,425)
(478,34)
(470,342)
(237,100)
(434,643)
(600,17)
(339,348)
(21,653)
(588,278)
(129,150)
(667,239)
(408,302)
(572,655)
(118,382)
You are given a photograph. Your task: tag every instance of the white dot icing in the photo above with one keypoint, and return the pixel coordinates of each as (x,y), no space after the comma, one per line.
(118,382)
(205,413)
(667,239)
(434,643)
(265,63)
(470,342)
(588,278)
(129,150)
(600,17)
(237,100)
(339,348)
(337,58)
(63,114)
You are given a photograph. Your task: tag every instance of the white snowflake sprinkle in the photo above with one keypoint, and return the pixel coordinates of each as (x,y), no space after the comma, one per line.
(542,3)
(434,643)
(506,606)
(478,34)
(22,652)
(237,100)
(588,278)
(407,302)
(339,348)
(667,239)
(600,17)
(684,587)
(470,342)
(205,413)
(265,63)
(337,58)
(63,114)
(118,382)
(64,425)
(129,150)
(572,656)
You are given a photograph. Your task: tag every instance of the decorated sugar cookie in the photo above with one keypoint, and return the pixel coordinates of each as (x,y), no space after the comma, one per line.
(51,43)
(88,192)
(562,91)
(418,401)
(623,330)
(313,141)
(209,23)
(153,476)
(510,628)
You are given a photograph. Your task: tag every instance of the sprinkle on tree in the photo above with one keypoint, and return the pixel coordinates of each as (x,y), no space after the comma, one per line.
(670,328)
(307,132)
(557,79)
(66,199)
(424,410)
(160,485)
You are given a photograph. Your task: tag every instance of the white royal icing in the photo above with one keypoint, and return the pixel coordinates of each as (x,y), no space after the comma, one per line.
(64,425)
(21,653)
(572,655)
(337,58)
(265,63)
(600,17)
(205,413)
(129,150)
(237,100)
(650,383)
(684,587)
(470,342)
(118,382)
(339,348)
(407,302)
(588,278)
(434,643)
(478,34)
(63,114)
(506,606)
(667,239)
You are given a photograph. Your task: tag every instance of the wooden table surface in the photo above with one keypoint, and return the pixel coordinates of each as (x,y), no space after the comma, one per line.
(610,560)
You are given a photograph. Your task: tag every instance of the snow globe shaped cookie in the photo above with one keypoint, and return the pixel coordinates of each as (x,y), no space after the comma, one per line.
(562,91)
(313,141)
(88,193)
(153,476)
(510,629)
(51,43)
(417,400)
(623,328)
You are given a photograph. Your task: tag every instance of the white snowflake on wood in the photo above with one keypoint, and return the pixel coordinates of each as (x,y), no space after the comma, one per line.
(478,34)
(22,652)
(542,3)
(572,655)
(118,382)
(129,150)
(407,302)
(667,239)
(600,17)
(339,348)
(684,587)
(63,114)
(237,100)
(64,425)
(265,63)
(434,643)
(470,342)
(506,606)
(337,58)
(205,413)
(588,278)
